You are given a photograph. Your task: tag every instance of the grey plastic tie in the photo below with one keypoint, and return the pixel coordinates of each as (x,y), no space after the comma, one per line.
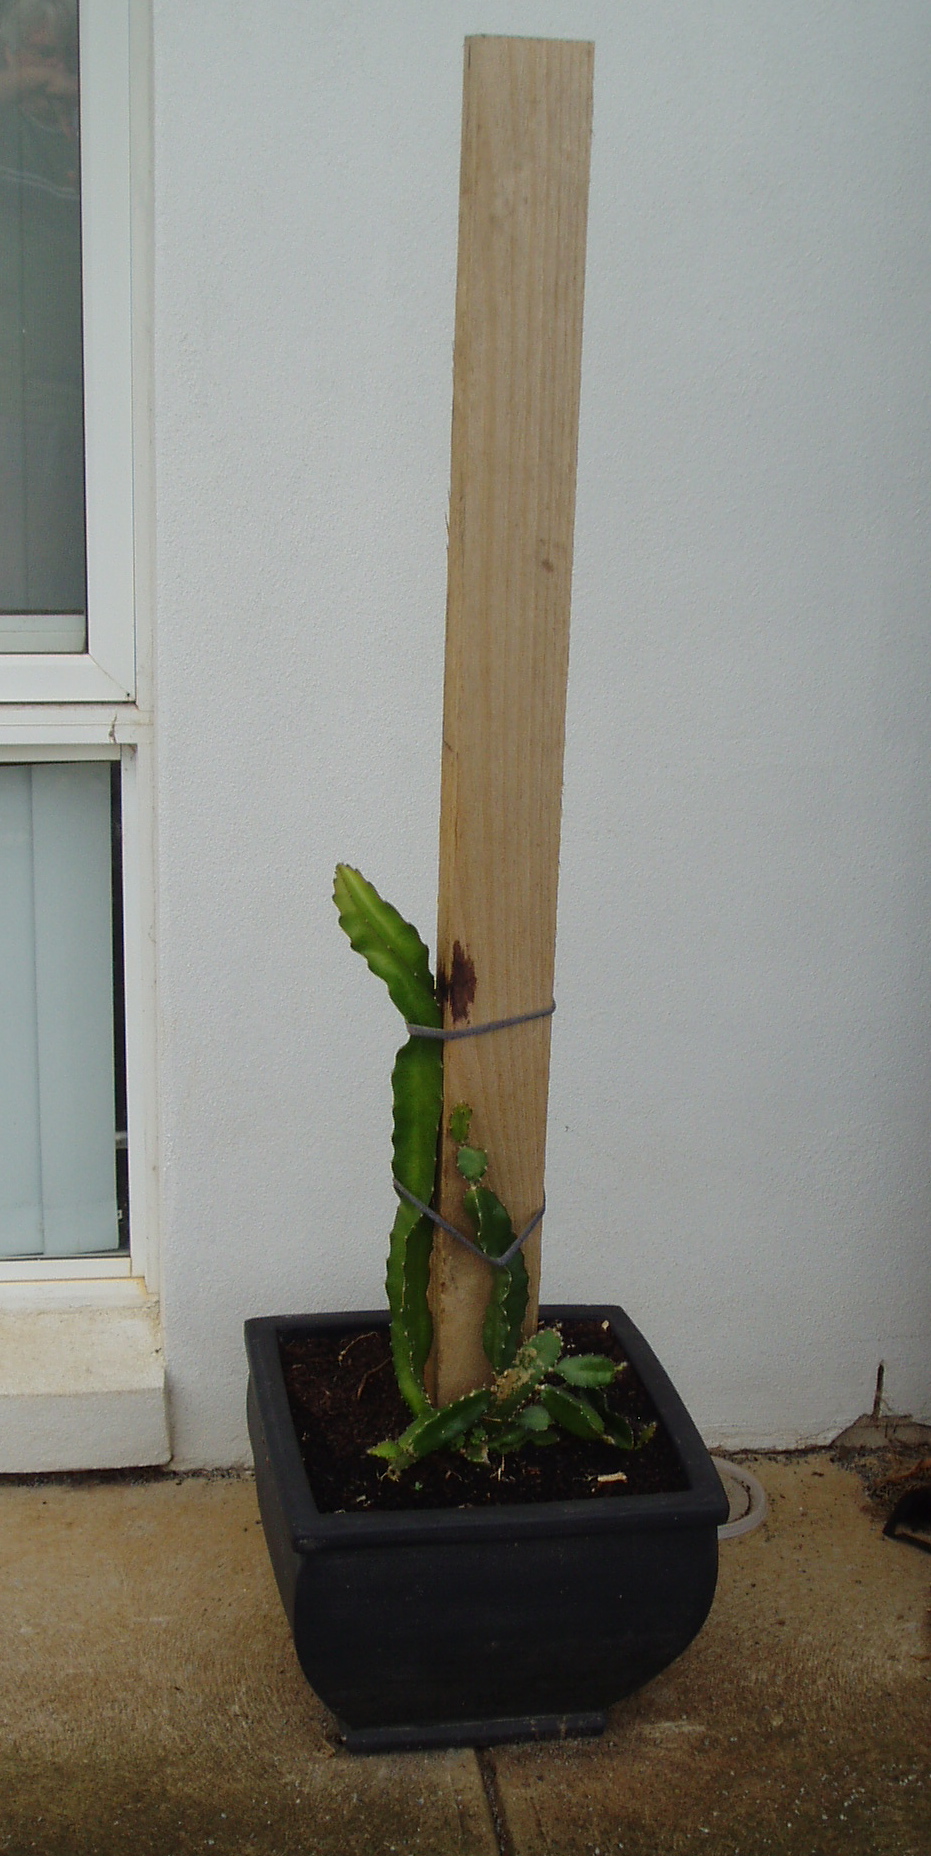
(477,1031)
(474,1031)
(497,1263)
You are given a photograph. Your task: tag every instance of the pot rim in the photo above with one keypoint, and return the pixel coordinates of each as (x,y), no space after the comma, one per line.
(703,1504)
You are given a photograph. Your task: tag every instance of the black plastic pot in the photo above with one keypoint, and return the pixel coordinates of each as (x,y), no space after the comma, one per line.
(471,1627)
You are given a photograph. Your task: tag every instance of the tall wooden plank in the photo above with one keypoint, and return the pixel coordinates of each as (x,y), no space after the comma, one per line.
(526,139)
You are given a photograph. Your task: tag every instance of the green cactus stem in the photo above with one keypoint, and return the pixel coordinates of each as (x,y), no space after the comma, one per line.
(510,1288)
(395,952)
(519,1382)
(433,1430)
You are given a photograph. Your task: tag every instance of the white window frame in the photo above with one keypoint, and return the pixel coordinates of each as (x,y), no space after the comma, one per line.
(98,705)
(138,991)
(106,671)
(82,1376)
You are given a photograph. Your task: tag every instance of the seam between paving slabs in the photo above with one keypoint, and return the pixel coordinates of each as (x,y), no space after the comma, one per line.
(488,1771)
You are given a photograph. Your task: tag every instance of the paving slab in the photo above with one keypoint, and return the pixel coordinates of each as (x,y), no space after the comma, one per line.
(151,1702)
(799,1720)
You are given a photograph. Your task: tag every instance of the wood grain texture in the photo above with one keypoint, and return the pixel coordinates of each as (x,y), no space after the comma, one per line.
(526,140)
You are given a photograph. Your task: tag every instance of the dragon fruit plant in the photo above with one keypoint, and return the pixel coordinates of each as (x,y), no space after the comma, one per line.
(537,1392)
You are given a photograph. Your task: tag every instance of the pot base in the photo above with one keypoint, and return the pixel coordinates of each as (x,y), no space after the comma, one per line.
(404,1739)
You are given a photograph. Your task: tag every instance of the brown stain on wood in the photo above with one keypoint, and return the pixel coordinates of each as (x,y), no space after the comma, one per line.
(457,988)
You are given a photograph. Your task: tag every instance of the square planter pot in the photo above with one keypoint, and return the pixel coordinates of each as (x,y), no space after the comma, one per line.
(467,1627)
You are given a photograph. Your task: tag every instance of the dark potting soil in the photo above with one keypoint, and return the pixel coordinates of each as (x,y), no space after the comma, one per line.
(343,1398)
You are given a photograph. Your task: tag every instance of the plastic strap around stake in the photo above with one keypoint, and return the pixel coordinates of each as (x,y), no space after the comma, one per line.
(497,1263)
(478,1031)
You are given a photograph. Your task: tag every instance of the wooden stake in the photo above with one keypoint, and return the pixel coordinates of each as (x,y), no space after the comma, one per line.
(526,139)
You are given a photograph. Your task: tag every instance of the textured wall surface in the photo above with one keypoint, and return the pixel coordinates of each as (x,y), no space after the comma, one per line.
(741,1100)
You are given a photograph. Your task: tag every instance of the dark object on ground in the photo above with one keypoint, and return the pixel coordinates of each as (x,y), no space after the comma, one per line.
(911,1510)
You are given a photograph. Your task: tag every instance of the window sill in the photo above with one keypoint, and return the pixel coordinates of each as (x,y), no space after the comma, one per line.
(82,1379)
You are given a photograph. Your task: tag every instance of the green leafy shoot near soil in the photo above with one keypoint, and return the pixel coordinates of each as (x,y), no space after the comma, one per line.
(537,1394)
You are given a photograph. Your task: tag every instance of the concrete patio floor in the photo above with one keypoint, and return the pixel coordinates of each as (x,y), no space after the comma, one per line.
(150,1700)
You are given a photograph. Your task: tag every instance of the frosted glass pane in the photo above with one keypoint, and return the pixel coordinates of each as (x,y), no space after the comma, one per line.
(56,957)
(42,555)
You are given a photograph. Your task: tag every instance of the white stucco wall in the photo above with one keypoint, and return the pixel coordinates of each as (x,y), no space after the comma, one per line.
(740,1130)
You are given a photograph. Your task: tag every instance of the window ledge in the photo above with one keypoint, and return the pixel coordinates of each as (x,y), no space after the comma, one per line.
(82,1379)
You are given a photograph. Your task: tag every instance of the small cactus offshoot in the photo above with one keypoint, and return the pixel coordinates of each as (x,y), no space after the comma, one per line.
(537,1393)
